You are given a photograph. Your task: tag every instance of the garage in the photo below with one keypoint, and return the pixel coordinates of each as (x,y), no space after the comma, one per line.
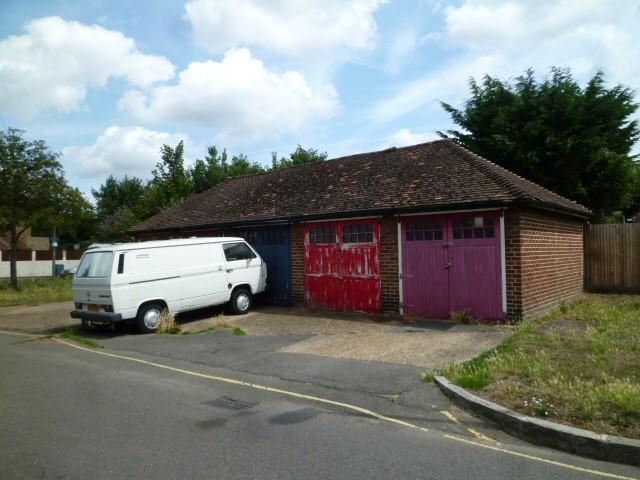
(427,229)
(273,243)
(342,265)
(452,263)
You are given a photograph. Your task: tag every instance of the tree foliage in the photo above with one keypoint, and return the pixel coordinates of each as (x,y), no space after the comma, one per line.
(573,140)
(301,156)
(120,204)
(32,189)
(170,181)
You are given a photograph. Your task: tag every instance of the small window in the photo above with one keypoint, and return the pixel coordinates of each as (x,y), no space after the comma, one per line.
(357,233)
(322,234)
(121,263)
(424,230)
(237,251)
(95,265)
(474,227)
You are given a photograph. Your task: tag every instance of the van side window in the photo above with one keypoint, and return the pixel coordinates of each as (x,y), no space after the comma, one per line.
(121,263)
(237,251)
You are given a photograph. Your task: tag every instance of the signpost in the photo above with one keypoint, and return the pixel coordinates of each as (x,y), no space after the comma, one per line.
(54,243)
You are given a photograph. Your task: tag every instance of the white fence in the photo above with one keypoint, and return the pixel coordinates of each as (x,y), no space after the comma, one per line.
(33,267)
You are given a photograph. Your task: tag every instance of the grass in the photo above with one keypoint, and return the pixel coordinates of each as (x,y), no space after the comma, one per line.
(217,323)
(239,332)
(168,324)
(579,365)
(73,335)
(36,291)
(463,316)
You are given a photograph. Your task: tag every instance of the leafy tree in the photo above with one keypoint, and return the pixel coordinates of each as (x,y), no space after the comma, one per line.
(215,168)
(209,171)
(31,179)
(240,165)
(120,204)
(572,140)
(72,214)
(301,156)
(170,182)
(115,194)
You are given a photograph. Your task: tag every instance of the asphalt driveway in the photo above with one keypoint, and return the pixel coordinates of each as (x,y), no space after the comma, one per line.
(425,344)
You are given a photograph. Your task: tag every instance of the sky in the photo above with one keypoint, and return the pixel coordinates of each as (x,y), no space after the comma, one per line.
(107,82)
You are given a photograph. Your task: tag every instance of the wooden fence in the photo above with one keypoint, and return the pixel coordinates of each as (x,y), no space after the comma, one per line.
(612,257)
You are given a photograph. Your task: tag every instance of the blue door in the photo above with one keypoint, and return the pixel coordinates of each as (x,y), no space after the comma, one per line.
(274,246)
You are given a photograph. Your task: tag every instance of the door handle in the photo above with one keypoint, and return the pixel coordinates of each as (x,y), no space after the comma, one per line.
(229,270)
(447,265)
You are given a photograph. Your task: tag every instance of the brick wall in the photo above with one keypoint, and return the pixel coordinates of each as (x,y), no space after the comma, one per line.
(389,263)
(544,261)
(297,264)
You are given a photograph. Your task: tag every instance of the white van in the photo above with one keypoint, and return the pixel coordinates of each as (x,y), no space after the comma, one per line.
(142,280)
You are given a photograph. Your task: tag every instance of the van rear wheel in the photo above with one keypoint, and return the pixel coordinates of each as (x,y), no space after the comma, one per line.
(241,301)
(150,317)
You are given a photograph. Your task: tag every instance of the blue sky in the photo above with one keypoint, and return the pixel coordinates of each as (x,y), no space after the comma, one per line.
(106,83)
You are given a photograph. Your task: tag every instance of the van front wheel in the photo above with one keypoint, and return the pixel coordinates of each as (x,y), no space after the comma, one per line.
(150,317)
(241,301)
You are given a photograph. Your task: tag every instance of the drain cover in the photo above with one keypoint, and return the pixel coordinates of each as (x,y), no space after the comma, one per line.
(231,404)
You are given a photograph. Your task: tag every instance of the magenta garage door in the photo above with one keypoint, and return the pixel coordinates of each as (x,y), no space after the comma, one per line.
(451,263)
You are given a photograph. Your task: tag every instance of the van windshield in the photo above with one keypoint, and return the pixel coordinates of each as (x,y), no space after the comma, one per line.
(95,265)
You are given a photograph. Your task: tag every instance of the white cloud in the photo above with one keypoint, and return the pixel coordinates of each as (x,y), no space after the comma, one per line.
(237,96)
(53,63)
(405,137)
(120,151)
(319,31)
(448,84)
(503,39)
(401,49)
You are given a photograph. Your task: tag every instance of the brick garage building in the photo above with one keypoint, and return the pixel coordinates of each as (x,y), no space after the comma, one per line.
(427,229)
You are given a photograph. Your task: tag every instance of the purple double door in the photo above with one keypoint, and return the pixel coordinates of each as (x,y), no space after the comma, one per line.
(452,263)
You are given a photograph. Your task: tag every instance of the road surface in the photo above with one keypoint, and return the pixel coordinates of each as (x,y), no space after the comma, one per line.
(74,413)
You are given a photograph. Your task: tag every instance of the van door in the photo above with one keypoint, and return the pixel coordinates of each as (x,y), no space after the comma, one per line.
(92,281)
(203,275)
(243,264)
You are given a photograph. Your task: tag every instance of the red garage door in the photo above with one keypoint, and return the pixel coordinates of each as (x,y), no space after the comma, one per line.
(342,265)
(452,262)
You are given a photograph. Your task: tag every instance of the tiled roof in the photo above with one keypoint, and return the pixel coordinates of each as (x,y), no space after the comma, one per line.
(437,175)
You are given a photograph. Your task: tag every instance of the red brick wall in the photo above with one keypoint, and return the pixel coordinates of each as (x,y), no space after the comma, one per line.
(389,263)
(297,264)
(544,261)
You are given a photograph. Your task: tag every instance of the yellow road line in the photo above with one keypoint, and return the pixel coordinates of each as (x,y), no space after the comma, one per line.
(450,416)
(348,406)
(480,436)
(256,386)
(537,459)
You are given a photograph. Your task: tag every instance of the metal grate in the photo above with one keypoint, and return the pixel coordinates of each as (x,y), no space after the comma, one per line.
(231,404)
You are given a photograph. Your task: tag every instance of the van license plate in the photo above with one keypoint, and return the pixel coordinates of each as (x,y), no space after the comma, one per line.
(93,308)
